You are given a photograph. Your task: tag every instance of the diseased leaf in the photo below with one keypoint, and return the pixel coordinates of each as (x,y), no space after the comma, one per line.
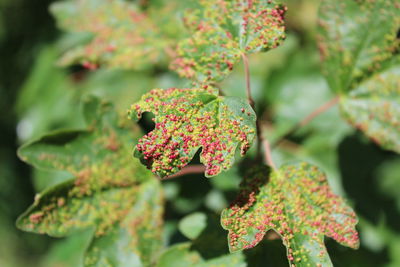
(189,119)
(361,61)
(356,38)
(63,209)
(297,203)
(123,35)
(116,197)
(139,232)
(182,255)
(223,31)
(374,107)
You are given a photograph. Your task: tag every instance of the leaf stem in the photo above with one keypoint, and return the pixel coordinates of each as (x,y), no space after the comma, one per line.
(247,75)
(267,151)
(318,111)
(261,141)
(190,169)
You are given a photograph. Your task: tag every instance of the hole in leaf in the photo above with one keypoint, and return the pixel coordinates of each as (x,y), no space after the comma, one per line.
(146,122)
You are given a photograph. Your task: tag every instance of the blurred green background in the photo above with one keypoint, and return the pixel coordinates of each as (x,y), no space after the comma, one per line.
(36,96)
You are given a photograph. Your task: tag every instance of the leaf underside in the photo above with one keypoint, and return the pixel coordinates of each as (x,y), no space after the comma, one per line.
(189,119)
(222,32)
(109,193)
(297,203)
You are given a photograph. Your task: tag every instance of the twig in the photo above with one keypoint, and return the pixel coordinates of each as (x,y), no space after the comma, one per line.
(321,109)
(191,169)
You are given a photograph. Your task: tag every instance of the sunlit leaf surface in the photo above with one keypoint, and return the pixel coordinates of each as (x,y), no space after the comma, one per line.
(189,119)
(225,30)
(296,202)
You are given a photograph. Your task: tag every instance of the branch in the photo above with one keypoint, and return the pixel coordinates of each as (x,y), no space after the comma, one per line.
(191,169)
(308,119)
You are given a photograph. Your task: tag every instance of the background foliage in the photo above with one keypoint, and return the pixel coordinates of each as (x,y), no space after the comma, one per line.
(38,97)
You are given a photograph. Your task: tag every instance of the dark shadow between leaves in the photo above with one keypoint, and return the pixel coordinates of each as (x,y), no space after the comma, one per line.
(212,242)
(359,161)
(190,197)
(343,256)
(268,253)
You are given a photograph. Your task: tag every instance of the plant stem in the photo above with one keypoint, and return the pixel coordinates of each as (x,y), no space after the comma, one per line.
(248,83)
(191,169)
(267,152)
(321,109)
(261,141)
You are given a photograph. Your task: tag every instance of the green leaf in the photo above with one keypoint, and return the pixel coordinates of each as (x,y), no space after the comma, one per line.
(139,232)
(360,53)
(123,36)
(187,119)
(63,209)
(58,94)
(297,203)
(192,225)
(222,32)
(356,39)
(108,192)
(182,255)
(373,107)
(68,252)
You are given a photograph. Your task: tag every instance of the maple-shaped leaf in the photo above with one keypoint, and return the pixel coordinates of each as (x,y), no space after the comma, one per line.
(123,35)
(225,30)
(189,119)
(296,202)
(108,192)
(360,48)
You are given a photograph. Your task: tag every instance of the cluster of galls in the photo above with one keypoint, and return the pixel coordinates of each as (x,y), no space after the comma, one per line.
(185,122)
(296,202)
(222,32)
